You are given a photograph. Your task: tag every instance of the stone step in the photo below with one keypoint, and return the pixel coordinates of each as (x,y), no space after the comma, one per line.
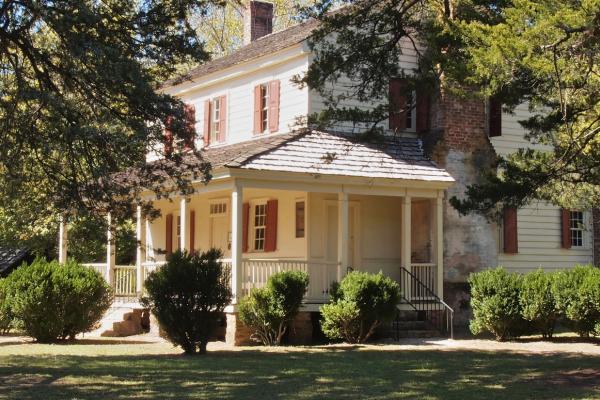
(416,334)
(122,321)
(409,325)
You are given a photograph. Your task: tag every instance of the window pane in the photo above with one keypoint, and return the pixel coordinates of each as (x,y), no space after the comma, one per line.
(576,228)
(300,219)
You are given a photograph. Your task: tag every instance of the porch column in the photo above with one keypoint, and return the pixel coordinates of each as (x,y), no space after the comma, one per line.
(343,235)
(140,253)
(406,250)
(62,239)
(110,251)
(183,225)
(237,210)
(438,234)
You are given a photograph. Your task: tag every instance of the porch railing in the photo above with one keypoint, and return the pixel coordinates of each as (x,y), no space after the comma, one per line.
(98,267)
(125,281)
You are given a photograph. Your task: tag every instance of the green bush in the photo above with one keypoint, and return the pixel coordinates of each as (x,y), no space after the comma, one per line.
(51,301)
(5,313)
(495,303)
(359,304)
(538,305)
(187,295)
(269,310)
(577,293)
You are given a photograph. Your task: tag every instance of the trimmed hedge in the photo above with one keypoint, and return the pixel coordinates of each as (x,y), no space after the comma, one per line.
(359,304)
(268,311)
(509,304)
(50,301)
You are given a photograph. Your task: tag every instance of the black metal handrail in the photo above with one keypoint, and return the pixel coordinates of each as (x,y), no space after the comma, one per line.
(436,312)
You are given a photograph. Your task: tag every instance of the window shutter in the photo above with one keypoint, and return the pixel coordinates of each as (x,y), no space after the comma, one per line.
(169,234)
(422,111)
(222,118)
(495,116)
(168,136)
(258,128)
(192,230)
(397,117)
(271,226)
(245,218)
(206,123)
(565,219)
(511,238)
(274,106)
(190,121)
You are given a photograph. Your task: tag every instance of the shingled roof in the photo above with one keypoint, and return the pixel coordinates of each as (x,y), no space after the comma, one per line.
(265,45)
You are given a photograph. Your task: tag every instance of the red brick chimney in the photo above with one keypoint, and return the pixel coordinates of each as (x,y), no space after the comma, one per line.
(258,20)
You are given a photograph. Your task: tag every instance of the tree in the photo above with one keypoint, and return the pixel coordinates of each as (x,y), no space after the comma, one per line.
(542,53)
(79,102)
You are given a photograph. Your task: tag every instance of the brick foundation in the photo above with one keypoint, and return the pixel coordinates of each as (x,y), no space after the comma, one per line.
(301,329)
(299,332)
(236,333)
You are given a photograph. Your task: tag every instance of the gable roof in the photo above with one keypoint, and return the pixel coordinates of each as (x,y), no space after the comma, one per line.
(263,46)
(11,257)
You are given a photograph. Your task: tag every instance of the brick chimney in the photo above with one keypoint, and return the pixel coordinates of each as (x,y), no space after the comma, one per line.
(258,20)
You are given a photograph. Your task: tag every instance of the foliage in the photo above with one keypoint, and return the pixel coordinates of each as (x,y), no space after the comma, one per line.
(87,240)
(187,295)
(545,54)
(268,311)
(495,303)
(5,312)
(51,301)
(359,304)
(577,293)
(537,301)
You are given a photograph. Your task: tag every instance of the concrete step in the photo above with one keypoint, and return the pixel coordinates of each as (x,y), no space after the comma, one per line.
(122,321)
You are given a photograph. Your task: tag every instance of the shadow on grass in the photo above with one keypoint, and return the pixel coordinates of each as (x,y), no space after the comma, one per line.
(255,374)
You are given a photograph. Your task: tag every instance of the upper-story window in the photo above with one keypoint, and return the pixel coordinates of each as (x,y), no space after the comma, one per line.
(266,107)
(403,107)
(576,228)
(214,120)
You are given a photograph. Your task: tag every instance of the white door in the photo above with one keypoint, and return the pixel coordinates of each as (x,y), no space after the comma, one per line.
(219,235)
(331,236)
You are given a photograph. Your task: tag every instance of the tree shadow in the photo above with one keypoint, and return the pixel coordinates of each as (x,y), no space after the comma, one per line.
(313,374)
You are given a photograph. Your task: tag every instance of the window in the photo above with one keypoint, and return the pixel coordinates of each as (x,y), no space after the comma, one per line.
(403,105)
(215,120)
(218,208)
(264,106)
(300,207)
(410,111)
(260,226)
(178,232)
(576,228)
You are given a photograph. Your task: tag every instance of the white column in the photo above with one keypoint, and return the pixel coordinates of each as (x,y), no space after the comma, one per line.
(183,217)
(110,251)
(438,253)
(406,249)
(140,253)
(343,234)
(62,239)
(237,209)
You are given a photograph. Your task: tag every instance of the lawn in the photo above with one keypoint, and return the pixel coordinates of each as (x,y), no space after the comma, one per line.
(105,369)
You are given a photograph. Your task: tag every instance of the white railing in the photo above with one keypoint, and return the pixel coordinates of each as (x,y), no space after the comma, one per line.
(125,281)
(256,272)
(98,267)
(426,273)
(150,266)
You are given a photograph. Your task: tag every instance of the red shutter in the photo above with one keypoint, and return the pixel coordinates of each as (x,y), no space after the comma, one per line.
(169,234)
(206,123)
(192,230)
(511,238)
(397,117)
(258,128)
(274,106)
(245,218)
(271,226)
(495,116)
(190,121)
(168,134)
(565,219)
(422,111)
(222,118)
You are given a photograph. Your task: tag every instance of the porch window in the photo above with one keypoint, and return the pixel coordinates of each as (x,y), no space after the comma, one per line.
(300,212)
(218,208)
(576,228)
(260,226)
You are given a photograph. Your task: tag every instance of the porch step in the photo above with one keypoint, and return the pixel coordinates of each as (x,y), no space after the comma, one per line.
(418,334)
(122,321)
(411,324)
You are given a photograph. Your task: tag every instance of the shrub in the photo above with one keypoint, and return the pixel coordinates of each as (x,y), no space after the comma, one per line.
(51,301)
(577,293)
(359,304)
(187,296)
(538,305)
(269,310)
(495,303)
(5,313)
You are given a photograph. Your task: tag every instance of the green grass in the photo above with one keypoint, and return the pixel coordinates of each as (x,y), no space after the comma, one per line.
(109,370)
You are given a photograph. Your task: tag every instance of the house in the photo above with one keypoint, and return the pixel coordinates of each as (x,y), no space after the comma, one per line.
(284,196)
